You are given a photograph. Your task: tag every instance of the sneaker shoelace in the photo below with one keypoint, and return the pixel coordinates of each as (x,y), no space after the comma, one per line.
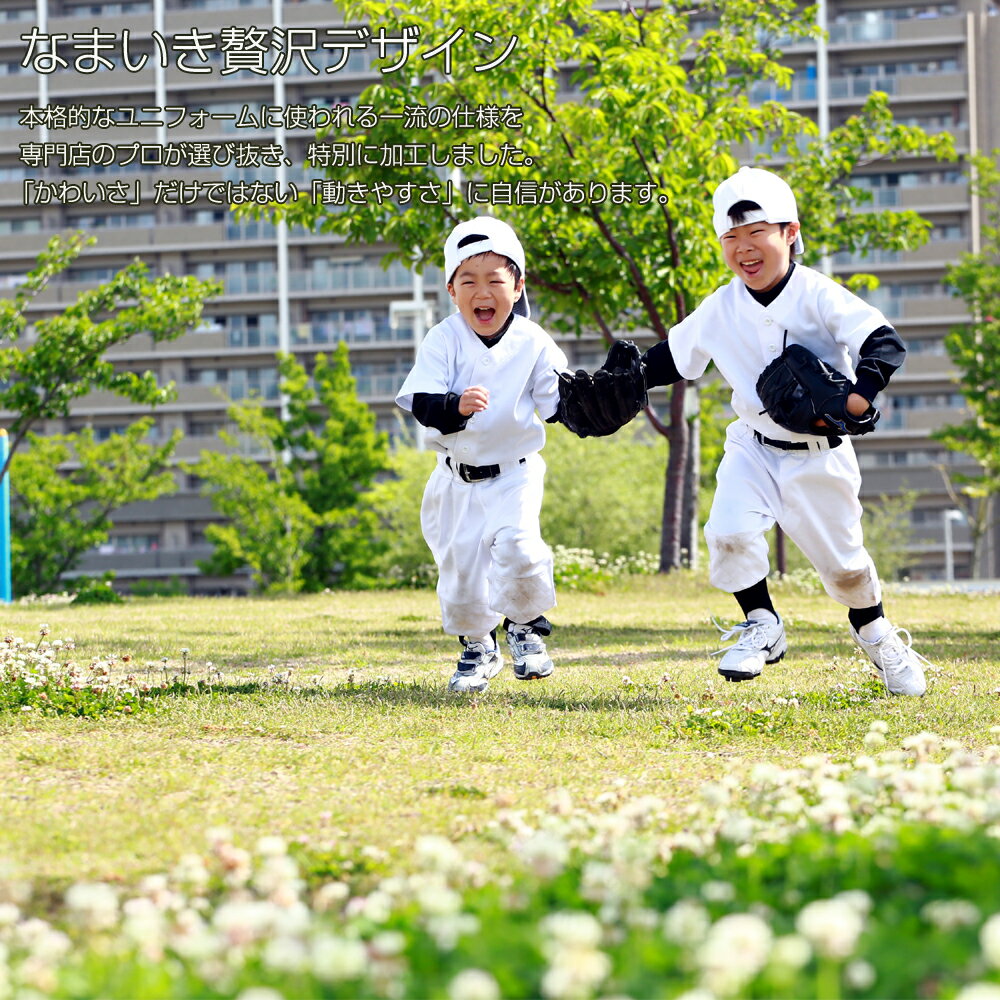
(894,650)
(753,635)
(473,655)
(527,640)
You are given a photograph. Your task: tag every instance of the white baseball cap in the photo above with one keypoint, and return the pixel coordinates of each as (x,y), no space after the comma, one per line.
(775,197)
(498,238)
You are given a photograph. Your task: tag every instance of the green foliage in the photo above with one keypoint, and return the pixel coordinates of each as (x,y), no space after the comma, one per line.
(98,590)
(301,520)
(888,532)
(56,516)
(63,359)
(604,494)
(404,559)
(172,587)
(974,349)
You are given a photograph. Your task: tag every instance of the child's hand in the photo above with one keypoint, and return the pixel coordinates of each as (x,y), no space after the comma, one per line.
(473,400)
(856,406)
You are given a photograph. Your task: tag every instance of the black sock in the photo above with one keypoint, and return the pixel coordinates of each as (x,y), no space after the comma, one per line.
(862,616)
(541,624)
(755,597)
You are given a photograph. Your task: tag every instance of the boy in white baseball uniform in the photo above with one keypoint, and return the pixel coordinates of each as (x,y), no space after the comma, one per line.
(484,380)
(806,484)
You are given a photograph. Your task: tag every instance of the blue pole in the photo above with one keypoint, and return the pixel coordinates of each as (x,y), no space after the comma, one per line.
(6,594)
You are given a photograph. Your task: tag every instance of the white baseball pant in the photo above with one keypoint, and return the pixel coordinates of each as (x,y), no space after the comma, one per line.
(812,495)
(487,544)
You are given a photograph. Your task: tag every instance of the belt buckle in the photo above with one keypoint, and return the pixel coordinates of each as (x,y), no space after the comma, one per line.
(477,473)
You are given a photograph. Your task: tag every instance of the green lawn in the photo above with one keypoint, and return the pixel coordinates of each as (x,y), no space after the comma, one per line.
(364,746)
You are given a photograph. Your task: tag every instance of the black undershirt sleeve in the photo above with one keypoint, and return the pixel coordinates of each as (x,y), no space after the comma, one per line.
(439,410)
(880,355)
(660,366)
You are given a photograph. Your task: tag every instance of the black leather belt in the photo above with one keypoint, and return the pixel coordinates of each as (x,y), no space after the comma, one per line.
(477,473)
(791,445)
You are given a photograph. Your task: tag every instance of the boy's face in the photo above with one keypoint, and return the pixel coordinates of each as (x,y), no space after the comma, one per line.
(485,292)
(759,252)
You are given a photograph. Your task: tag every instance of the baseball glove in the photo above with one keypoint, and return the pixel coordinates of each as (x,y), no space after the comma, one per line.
(600,404)
(798,389)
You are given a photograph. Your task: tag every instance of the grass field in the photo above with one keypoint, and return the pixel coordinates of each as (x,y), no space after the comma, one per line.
(363,747)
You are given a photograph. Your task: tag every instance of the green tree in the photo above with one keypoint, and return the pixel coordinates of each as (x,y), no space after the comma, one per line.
(653,123)
(974,349)
(296,503)
(56,516)
(63,358)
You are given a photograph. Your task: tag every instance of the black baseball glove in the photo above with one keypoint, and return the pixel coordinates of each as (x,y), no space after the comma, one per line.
(798,389)
(600,404)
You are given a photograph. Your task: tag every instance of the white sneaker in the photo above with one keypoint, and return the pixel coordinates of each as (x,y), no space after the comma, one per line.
(900,666)
(527,650)
(759,642)
(477,664)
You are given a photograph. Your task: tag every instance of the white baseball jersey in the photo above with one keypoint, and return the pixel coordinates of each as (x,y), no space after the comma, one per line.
(812,494)
(742,337)
(485,536)
(520,372)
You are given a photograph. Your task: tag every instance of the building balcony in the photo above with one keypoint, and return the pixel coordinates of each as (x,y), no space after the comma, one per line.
(855,89)
(936,253)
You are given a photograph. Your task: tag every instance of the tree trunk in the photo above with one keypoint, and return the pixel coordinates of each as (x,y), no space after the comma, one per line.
(673,496)
(692,477)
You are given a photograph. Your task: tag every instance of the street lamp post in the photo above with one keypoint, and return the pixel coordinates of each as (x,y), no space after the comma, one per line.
(949,516)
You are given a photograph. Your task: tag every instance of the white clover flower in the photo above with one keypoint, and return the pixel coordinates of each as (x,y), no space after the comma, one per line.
(832,926)
(93,904)
(860,975)
(989,940)
(544,853)
(329,895)
(438,854)
(285,954)
(950,914)
(45,943)
(473,984)
(735,950)
(979,991)
(574,929)
(260,993)
(246,920)
(336,958)
(574,973)
(857,898)
(791,951)
(878,726)
(922,745)
(438,900)
(192,938)
(388,944)
(447,928)
(9,914)
(686,922)
(874,739)
(376,907)
(269,847)
(716,891)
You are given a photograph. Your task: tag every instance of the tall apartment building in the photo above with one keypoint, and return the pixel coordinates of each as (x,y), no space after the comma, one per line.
(940,63)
